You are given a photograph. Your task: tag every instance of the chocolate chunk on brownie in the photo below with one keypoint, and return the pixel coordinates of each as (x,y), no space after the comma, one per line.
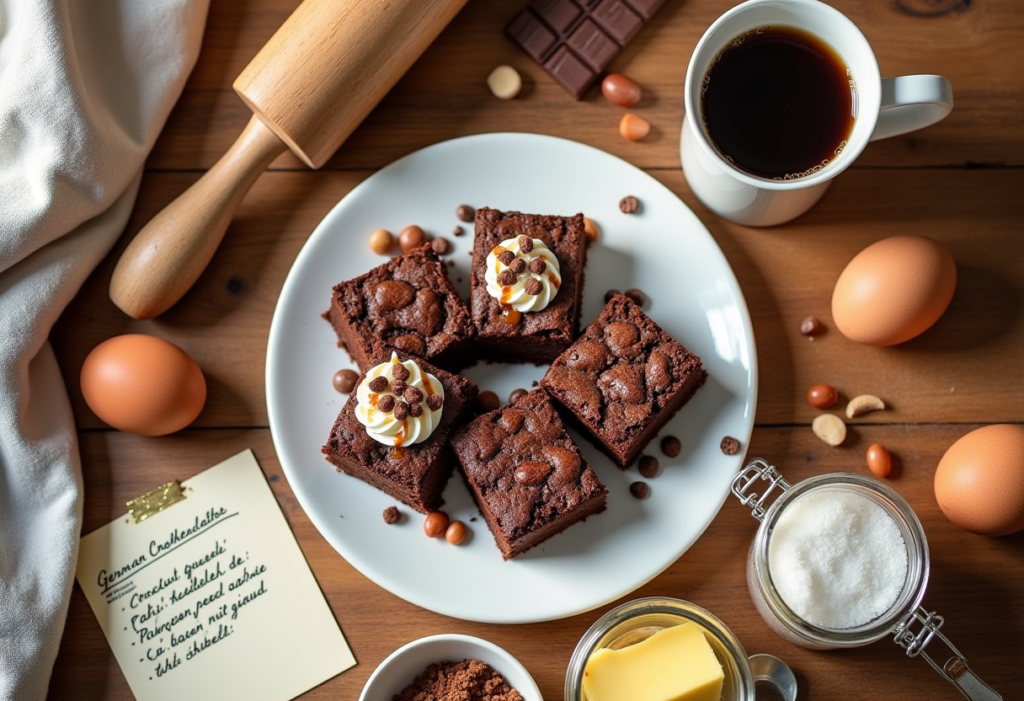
(535,334)
(414,473)
(623,379)
(410,304)
(526,474)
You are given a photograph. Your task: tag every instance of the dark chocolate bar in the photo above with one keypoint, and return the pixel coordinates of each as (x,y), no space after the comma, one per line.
(576,40)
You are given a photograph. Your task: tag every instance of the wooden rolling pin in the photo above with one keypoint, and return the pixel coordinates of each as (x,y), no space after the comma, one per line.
(317,78)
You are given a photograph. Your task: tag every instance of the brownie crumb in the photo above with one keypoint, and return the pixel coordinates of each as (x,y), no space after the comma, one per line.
(392,515)
(629,205)
(730,446)
(468,680)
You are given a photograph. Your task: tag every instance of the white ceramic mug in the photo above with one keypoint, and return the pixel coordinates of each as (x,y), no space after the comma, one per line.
(884,107)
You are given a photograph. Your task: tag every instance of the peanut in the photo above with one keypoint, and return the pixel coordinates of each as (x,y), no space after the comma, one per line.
(829,428)
(435,524)
(633,128)
(863,404)
(879,460)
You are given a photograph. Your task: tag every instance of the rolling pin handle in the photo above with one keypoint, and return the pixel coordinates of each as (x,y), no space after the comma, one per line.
(170,252)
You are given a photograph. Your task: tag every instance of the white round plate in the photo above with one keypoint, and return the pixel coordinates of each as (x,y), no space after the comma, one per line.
(692,293)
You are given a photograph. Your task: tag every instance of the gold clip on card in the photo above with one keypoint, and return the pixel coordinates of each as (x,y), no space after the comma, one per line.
(155,501)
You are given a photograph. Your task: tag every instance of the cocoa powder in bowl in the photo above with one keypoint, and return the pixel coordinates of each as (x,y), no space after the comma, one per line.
(468,680)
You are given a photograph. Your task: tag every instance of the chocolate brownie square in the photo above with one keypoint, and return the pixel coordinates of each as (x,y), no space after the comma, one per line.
(528,311)
(413,472)
(526,474)
(410,304)
(623,379)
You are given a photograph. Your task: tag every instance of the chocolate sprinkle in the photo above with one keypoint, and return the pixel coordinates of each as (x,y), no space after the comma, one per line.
(378,384)
(507,278)
(401,411)
(413,395)
(434,401)
(534,286)
(416,410)
(517,266)
(506,257)
(525,244)
(398,387)
(400,372)
(386,403)
(730,446)
(640,490)
(671,446)
(538,266)
(648,466)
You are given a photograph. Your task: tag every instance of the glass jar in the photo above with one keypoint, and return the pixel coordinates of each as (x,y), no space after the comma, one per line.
(900,618)
(637,620)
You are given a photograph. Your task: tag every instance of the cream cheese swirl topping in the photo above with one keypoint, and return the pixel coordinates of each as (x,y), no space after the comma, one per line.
(399,403)
(523,273)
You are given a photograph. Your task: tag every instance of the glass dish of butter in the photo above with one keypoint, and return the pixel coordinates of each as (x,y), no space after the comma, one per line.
(664,649)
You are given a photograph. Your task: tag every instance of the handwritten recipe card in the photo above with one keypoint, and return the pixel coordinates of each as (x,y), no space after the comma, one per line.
(212,598)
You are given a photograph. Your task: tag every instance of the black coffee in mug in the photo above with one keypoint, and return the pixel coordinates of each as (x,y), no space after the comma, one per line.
(778,103)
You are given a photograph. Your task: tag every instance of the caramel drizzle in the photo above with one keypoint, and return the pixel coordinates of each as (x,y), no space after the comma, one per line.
(426,384)
(554,280)
(399,439)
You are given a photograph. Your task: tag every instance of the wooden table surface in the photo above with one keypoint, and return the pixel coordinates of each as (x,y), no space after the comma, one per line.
(960,182)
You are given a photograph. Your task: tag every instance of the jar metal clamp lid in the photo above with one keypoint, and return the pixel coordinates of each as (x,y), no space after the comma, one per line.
(903,615)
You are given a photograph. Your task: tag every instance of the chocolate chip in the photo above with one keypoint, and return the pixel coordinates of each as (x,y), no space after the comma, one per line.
(458,231)
(487,401)
(392,515)
(386,403)
(629,204)
(730,446)
(640,490)
(401,411)
(648,466)
(440,245)
(416,410)
(516,395)
(671,446)
(525,244)
(507,278)
(538,266)
(609,294)
(622,383)
(810,326)
(410,343)
(378,384)
(412,395)
(517,266)
(638,297)
(435,401)
(532,473)
(398,387)
(534,286)
(588,355)
(393,294)
(465,213)
(506,257)
(399,372)
(658,371)
(620,337)
(345,380)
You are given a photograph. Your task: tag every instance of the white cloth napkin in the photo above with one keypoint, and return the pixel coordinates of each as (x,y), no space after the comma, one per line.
(85,87)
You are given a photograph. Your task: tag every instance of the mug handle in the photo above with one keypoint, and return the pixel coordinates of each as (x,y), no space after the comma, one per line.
(912,102)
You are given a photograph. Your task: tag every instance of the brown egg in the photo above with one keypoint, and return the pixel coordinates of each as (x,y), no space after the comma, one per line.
(143,384)
(979,483)
(893,290)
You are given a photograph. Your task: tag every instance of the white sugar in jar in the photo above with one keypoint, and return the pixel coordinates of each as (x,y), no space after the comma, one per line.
(841,560)
(837,559)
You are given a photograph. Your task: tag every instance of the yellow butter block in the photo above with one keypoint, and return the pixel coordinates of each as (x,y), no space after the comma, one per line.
(674,664)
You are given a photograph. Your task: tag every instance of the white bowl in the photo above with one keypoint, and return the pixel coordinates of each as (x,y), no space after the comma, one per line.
(401,667)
